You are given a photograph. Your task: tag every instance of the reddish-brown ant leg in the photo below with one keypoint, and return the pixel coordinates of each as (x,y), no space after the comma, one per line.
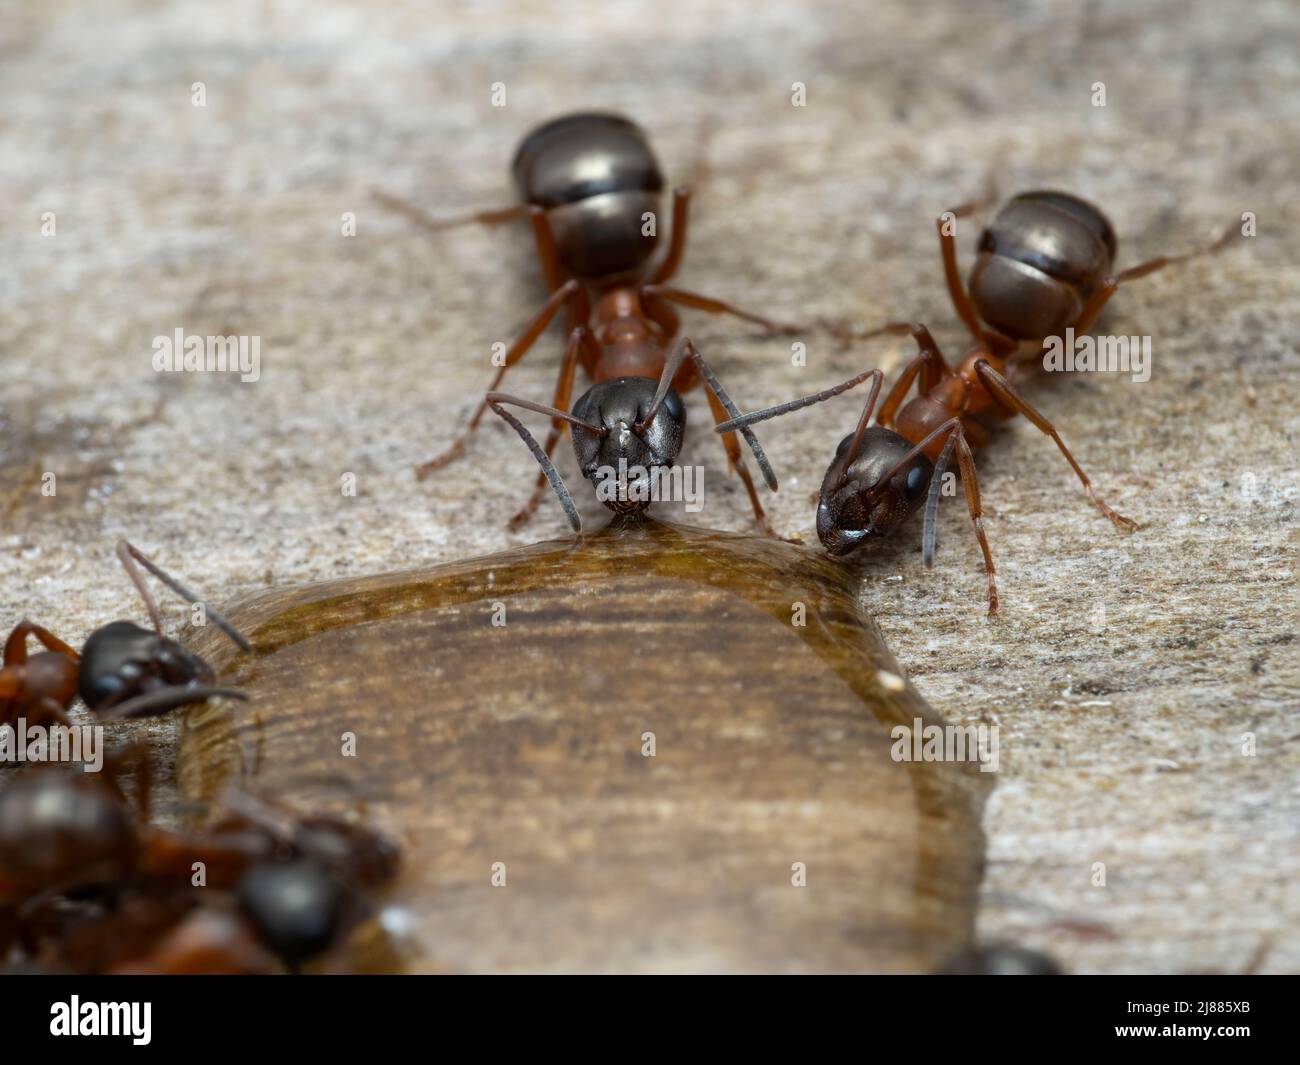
(15,653)
(1099,299)
(1002,391)
(563,397)
(135,757)
(421,218)
(548,257)
(569,290)
(929,363)
(970,484)
(711,306)
(676,239)
(961,300)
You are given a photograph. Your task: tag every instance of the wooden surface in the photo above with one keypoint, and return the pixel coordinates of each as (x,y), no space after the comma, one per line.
(1123,671)
(501,733)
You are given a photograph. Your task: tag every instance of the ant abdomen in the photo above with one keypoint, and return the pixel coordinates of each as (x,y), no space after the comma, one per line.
(1039,260)
(597,176)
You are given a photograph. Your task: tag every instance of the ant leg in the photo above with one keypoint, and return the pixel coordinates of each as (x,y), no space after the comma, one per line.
(563,397)
(548,257)
(711,306)
(48,710)
(15,653)
(953,427)
(971,486)
(1099,299)
(676,239)
(1002,391)
(723,408)
(567,291)
(134,757)
(961,300)
(929,363)
(412,213)
(128,554)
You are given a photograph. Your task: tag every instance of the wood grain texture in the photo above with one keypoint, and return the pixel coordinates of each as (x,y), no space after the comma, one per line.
(523,743)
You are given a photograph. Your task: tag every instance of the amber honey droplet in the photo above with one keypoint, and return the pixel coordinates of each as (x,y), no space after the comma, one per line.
(518,752)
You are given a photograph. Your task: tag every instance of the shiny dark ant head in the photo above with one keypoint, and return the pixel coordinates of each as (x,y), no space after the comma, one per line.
(597,177)
(122,660)
(621,459)
(130,671)
(855,506)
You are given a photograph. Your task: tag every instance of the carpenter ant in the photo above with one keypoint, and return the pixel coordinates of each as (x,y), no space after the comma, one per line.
(66,836)
(630,427)
(588,183)
(123,671)
(1044,265)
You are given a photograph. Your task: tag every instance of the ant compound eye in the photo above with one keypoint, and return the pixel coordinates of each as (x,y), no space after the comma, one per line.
(915,481)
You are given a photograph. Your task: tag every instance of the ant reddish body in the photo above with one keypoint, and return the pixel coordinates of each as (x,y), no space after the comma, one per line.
(1044,266)
(72,841)
(588,182)
(123,670)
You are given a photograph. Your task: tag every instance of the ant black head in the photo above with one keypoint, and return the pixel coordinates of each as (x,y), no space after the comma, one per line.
(855,506)
(122,659)
(130,671)
(621,459)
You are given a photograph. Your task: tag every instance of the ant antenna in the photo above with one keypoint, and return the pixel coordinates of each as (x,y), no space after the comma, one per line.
(680,352)
(932,501)
(877,378)
(495,399)
(161,700)
(129,554)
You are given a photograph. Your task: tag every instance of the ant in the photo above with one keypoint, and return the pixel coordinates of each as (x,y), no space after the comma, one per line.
(65,835)
(635,426)
(123,671)
(1044,266)
(589,182)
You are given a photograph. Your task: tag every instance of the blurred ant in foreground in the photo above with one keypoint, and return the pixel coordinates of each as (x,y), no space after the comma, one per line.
(86,880)
(1044,267)
(123,671)
(589,182)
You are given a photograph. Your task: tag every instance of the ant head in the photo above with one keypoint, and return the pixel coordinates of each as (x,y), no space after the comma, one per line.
(854,506)
(623,456)
(122,659)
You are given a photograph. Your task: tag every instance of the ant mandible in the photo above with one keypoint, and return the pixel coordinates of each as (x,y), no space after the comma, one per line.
(588,182)
(123,670)
(1044,266)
